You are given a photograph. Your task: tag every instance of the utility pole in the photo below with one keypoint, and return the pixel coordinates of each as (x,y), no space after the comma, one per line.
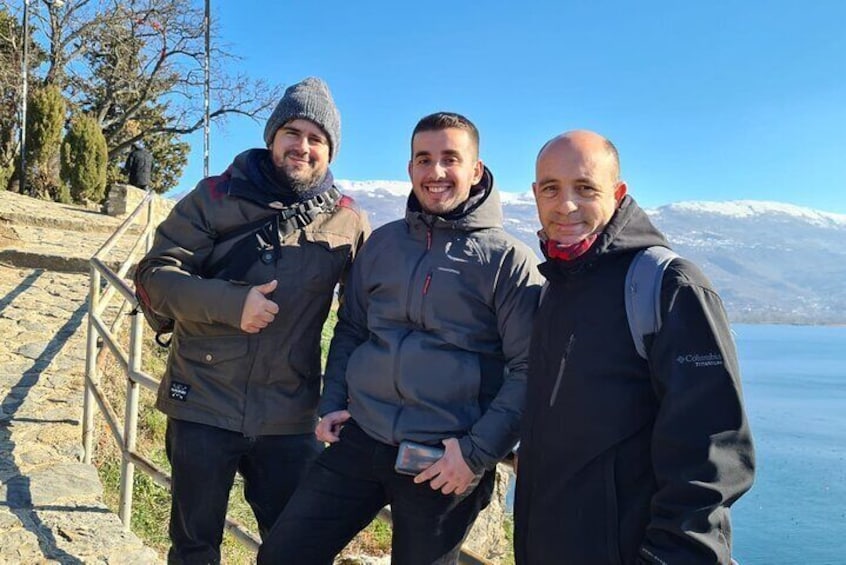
(24,94)
(25,88)
(206,90)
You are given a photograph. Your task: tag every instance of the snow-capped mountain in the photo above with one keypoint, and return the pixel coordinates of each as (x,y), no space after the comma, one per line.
(771,262)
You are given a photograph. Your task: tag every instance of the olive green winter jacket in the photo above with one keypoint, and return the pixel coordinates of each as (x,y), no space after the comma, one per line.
(257,384)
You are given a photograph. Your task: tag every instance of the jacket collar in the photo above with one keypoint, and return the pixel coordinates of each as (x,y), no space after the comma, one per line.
(481,210)
(253,179)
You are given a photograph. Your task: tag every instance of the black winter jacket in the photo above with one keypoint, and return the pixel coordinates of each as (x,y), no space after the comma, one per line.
(138,166)
(624,460)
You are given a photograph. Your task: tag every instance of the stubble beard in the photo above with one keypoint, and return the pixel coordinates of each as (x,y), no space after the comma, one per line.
(301,181)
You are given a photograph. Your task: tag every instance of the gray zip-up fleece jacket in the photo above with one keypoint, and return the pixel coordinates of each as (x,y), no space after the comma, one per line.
(433,333)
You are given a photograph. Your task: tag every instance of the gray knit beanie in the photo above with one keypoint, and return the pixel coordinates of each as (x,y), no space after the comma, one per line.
(310,100)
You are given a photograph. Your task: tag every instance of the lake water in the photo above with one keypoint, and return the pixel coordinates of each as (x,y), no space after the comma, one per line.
(794,382)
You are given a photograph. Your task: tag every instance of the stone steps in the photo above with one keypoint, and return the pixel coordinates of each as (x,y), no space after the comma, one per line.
(18,209)
(36,234)
(58,249)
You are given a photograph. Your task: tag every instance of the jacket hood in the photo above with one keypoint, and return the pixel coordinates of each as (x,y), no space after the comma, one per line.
(246,169)
(482,209)
(630,229)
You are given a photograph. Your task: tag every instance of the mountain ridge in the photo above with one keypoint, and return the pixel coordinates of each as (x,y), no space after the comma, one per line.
(771,262)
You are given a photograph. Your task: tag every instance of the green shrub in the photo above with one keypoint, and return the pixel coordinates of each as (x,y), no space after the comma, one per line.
(45,121)
(84,158)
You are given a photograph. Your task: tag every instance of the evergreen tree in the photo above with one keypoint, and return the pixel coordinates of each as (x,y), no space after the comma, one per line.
(135,67)
(84,160)
(45,121)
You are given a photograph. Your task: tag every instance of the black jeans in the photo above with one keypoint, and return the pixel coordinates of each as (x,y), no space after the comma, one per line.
(345,489)
(204,460)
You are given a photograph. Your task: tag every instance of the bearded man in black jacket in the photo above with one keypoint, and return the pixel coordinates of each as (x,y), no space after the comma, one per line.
(623,459)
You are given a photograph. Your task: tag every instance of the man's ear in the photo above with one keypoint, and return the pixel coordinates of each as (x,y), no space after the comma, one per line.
(478,170)
(409,170)
(620,191)
(535,189)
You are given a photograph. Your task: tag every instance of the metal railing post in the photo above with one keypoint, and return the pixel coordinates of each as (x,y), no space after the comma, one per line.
(130,430)
(151,232)
(91,374)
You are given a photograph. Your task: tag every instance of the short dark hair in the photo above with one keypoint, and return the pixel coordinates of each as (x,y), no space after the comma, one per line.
(444,120)
(615,156)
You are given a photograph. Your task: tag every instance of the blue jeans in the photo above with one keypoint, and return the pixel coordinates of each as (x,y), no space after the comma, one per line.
(204,460)
(345,489)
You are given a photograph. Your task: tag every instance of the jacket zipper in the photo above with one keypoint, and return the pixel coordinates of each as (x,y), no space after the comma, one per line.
(561,366)
(414,273)
(428,280)
(408,317)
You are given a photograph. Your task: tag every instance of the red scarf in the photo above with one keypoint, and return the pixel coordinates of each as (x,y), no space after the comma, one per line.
(555,250)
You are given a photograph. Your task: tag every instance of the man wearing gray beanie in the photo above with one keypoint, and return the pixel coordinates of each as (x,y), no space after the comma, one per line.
(246,265)
(309,100)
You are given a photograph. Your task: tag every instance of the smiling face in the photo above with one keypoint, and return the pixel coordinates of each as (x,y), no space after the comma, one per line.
(577,189)
(444,166)
(300,153)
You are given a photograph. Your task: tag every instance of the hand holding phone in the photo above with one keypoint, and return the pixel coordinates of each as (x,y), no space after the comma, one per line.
(412,457)
(450,474)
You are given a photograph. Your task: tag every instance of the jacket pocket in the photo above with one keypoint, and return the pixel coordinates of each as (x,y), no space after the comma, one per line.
(208,372)
(212,351)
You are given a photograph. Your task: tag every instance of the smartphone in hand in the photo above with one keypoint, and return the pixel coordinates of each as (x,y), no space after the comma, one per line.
(413,458)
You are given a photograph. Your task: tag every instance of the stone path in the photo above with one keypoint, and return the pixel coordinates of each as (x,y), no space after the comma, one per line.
(51,504)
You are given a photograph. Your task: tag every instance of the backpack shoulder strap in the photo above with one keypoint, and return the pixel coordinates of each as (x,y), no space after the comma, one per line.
(643,293)
(300,215)
(285,221)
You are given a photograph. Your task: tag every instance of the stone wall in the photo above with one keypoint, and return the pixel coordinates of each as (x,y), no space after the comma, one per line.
(124,198)
(487,538)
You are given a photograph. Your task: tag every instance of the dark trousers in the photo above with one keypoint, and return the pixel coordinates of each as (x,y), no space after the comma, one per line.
(345,489)
(204,460)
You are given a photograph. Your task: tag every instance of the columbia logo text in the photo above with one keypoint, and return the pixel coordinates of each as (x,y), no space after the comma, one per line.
(700,359)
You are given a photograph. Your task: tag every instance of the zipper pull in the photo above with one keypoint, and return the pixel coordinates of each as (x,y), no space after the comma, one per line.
(428,239)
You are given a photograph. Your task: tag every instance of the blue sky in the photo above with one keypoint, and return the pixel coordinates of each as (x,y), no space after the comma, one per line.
(715,100)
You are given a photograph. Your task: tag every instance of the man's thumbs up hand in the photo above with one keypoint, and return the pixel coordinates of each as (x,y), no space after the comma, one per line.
(258,311)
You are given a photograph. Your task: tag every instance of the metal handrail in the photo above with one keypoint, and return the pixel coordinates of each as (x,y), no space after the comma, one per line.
(130,365)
